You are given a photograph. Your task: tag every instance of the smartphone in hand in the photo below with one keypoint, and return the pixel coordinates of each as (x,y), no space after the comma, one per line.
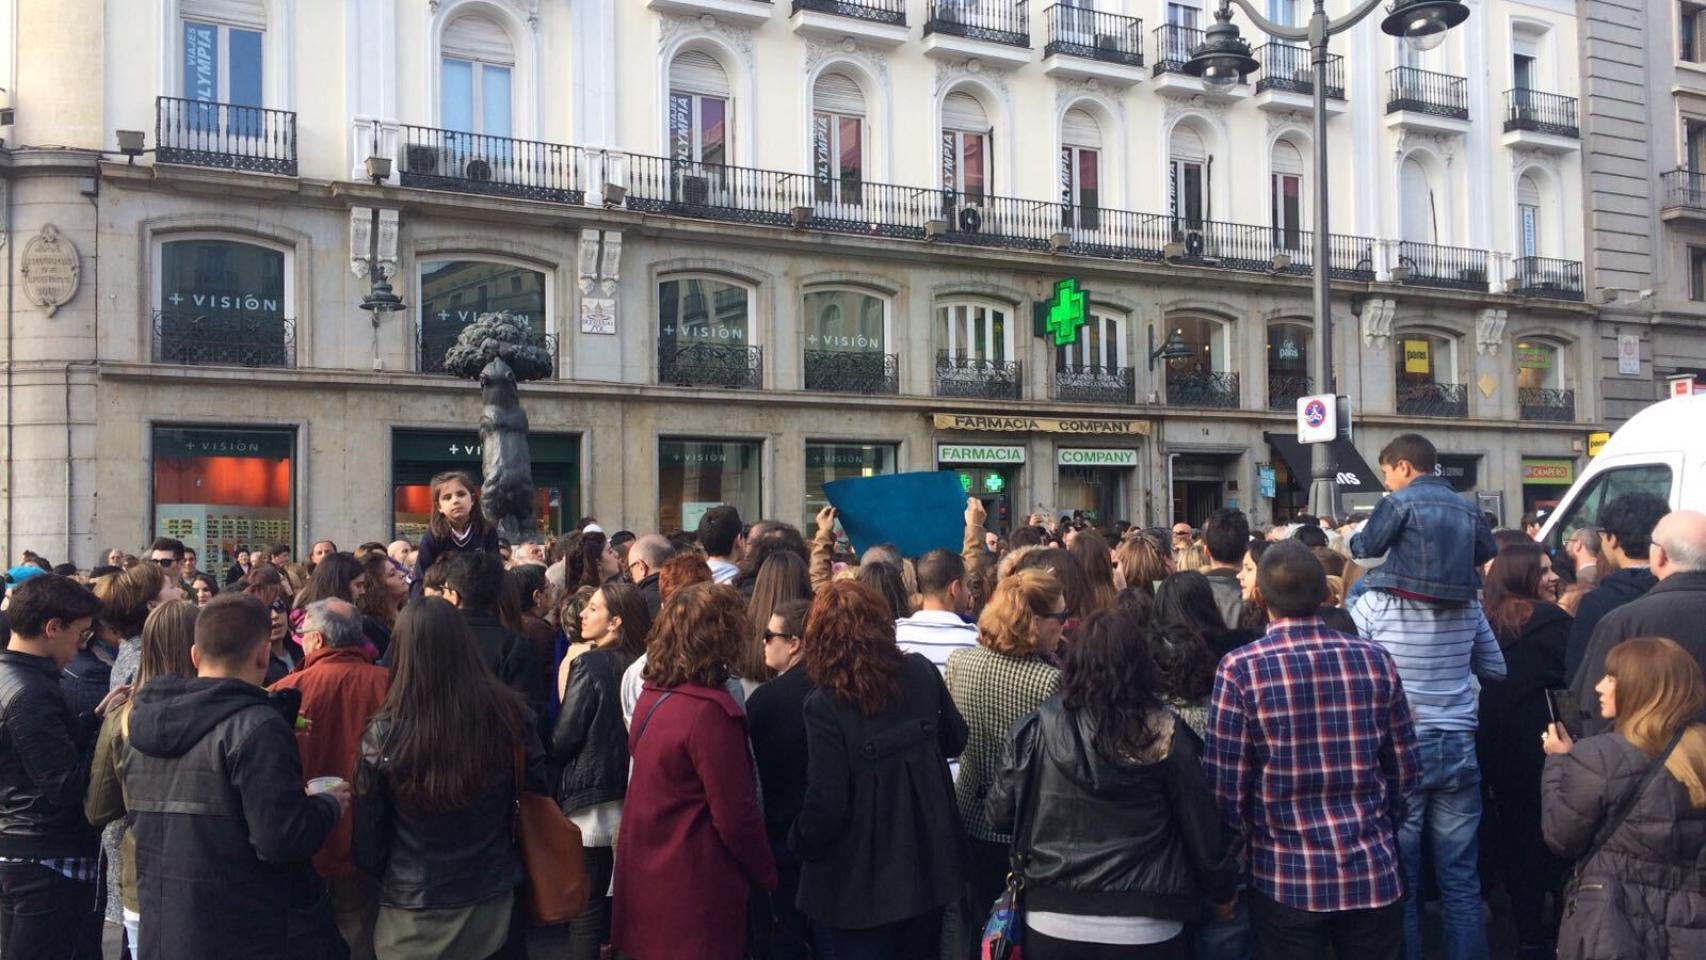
(1565,709)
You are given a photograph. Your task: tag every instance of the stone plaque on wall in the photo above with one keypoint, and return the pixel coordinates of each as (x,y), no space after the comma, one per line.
(51,269)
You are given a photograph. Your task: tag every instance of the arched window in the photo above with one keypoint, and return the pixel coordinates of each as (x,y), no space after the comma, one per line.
(1542,380)
(1200,378)
(477,74)
(846,341)
(705,333)
(1080,168)
(1100,344)
(1187,178)
(221,300)
(700,113)
(975,355)
(838,138)
(1418,223)
(1288,363)
(966,160)
(454,292)
(1428,379)
(1528,242)
(1286,189)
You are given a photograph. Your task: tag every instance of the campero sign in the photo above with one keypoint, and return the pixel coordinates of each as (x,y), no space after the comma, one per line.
(1022,424)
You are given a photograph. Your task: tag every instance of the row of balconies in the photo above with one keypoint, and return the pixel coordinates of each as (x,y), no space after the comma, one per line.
(246,138)
(250,341)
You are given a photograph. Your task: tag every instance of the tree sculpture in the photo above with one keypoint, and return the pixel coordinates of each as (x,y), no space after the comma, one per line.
(498,350)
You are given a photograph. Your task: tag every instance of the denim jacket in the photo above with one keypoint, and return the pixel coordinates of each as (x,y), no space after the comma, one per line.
(1434,540)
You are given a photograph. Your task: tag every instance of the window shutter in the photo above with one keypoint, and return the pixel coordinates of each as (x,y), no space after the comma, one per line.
(837,93)
(477,38)
(250,14)
(1079,129)
(1527,193)
(961,111)
(1287,159)
(1186,145)
(696,71)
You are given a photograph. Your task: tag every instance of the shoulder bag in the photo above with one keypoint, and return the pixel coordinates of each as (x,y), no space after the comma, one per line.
(1583,897)
(1004,932)
(555,883)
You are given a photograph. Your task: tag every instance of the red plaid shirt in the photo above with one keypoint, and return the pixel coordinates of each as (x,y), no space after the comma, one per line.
(1311,753)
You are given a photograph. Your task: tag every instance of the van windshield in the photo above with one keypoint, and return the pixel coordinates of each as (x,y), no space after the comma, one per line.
(1583,510)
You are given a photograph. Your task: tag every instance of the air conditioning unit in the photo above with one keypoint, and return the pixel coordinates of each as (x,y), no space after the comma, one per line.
(1193,243)
(420,159)
(1107,41)
(696,190)
(479,170)
(971,219)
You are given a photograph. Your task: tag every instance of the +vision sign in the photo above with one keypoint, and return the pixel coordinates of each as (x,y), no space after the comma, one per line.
(1060,316)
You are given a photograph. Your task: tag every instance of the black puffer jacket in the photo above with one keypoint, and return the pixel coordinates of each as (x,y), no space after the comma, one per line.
(590,741)
(1642,896)
(1108,839)
(223,829)
(439,861)
(44,766)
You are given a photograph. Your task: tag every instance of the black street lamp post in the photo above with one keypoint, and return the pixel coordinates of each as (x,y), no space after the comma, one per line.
(1224,58)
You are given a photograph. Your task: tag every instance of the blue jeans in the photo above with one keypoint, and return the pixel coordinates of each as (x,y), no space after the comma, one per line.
(1445,814)
(1224,939)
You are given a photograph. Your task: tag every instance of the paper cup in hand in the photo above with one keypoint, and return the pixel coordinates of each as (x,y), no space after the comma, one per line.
(322,784)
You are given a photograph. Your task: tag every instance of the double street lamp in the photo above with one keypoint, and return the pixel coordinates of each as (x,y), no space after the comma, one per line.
(1224,58)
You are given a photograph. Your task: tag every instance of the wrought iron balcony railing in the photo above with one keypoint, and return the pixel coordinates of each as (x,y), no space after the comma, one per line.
(1285,389)
(229,136)
(236,340)
(1423,91)
(1546,277)
(845,371)
(1431,265)
(1078,31)
(998,21)
(876,11)
(1684,189)
(1287,66)
(433,340)
(1546,403)
(1174,45)
(1090,383)
(710,365)
(977,379)
(1541,112)
(1428,399)
(499,166)
(1203,389)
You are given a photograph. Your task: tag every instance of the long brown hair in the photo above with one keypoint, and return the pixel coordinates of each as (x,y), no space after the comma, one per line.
(1008,622)
(1141,563)
(376,601)
(681,570)
(1094,558)
(438,524)
(624,600)
(781,578)
(697,633)
(167,636)
(453,726)
(1659,688)
(1513,588)
(849,648)
(266,583)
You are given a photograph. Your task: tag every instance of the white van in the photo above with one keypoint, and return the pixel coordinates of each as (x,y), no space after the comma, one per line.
(1660,450)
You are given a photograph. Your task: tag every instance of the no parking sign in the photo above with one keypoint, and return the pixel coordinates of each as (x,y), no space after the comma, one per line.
(1317,418)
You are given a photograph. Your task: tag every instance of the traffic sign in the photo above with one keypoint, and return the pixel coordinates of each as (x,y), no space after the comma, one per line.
(1317,418)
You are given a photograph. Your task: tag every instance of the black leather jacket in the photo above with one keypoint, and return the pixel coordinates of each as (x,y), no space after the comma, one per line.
(590,740)
(44,768)
(1111,839)
(439,861)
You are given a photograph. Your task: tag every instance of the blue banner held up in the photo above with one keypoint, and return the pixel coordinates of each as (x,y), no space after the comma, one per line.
(917,512)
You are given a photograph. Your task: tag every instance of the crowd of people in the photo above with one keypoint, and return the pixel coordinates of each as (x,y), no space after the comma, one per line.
(1221,743)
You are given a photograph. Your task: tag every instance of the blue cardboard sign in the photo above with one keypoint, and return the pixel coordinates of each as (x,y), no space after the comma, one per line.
(917,512)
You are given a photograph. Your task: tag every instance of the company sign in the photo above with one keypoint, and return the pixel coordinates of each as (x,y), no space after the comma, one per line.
(1552,473)
(1072,457)
(1022,424)
(1416,356)
(1597,441)
(979,453)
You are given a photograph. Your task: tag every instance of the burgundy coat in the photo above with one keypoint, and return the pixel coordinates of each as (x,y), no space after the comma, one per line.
(692,839)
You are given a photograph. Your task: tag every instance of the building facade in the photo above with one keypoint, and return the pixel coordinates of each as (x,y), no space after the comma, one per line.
(770,245)
(1644,68)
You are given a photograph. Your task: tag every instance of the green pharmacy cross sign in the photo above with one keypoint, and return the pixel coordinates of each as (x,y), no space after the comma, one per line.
(1062,315)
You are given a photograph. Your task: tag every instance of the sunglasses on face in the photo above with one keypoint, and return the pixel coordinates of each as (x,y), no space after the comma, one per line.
(770,635)
(1060,617)
(279,606)
(166,561)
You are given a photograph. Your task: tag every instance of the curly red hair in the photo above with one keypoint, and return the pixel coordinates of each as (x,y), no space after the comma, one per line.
(849,648)
(696,635)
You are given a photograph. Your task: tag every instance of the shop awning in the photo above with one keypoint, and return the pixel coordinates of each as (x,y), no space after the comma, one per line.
(1354,475)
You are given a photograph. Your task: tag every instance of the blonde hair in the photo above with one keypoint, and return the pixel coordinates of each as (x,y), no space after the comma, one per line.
(1141,563)
(1660,689)
(125,597)
(1008,623)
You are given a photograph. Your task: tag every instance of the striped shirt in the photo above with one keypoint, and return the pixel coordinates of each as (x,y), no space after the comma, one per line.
(1438,646)
(935,634)
(1311,754)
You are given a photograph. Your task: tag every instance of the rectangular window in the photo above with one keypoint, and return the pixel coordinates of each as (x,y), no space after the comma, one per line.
(838,157)
(418,454)
(215,488)
(965,164)
(1189,198)
(1080,170)
(475,97)
(826,462)
(1528,230)
(1522,71)
(221,64)
(455,292)
(973,331)
(1697,274)
(1689,46)
(696,475)
(1288,211)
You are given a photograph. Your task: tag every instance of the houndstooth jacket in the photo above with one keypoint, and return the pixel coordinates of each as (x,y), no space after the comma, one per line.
(992,691)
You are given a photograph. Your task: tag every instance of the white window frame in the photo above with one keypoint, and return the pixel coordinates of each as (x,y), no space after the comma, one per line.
(1452,352)
(836,178)
(222,93)
(1559,372)
(422,258)
(1220,339)
(158,253)
(479,99)
(696,126)
(960,313)
(1112,344)
(886,300)
(957,182)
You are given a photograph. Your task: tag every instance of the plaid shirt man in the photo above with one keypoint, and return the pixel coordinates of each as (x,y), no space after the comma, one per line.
(1311,752)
